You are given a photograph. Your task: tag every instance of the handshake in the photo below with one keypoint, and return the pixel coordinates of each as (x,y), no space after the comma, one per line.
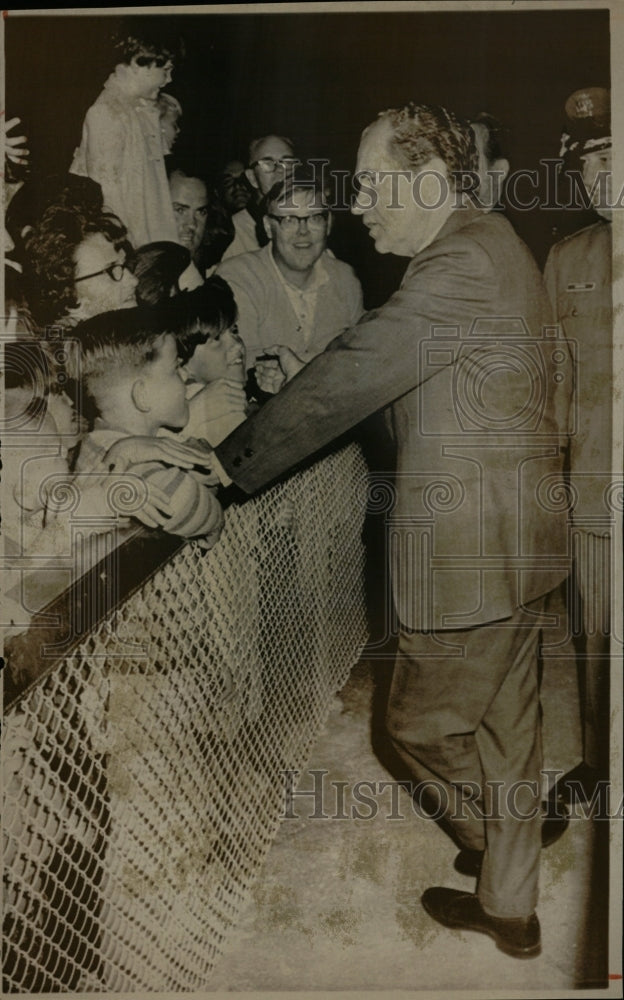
(276,366)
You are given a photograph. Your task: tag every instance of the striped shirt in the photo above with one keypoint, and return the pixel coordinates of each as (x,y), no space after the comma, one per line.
(195,510)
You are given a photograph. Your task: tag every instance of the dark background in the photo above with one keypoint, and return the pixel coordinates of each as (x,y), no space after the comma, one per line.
(320,78)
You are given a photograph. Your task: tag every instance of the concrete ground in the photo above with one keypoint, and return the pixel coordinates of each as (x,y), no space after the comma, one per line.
(337,905)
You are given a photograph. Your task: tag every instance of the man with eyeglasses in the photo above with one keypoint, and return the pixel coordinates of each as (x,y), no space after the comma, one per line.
(122,145)
(293,292)
(271,160)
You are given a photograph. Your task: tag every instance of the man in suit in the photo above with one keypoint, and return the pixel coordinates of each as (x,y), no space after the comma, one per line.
(476,540)
(578,280)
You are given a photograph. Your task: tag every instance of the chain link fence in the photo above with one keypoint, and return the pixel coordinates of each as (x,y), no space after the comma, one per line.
(142,773)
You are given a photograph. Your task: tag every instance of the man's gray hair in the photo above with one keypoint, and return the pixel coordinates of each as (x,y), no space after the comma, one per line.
(424,131)
(255,144)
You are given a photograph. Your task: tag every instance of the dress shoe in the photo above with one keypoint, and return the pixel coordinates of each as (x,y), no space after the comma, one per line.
(468,861)
(516,936)
(578,785)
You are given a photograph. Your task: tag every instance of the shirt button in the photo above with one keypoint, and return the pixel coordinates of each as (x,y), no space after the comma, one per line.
(575,311)
(237,461)
(248,452)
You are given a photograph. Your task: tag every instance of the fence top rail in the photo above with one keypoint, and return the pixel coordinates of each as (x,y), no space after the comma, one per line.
(50,637)
(60,624)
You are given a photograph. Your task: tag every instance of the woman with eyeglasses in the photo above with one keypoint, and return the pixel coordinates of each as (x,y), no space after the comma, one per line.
(122,146)
(75,265)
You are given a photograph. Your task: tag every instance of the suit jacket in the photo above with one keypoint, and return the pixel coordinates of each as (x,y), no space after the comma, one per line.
(578,280)
(479,395)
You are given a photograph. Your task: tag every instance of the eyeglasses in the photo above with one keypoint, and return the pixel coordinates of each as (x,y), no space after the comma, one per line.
(268,164)
(114,271)
(291,223)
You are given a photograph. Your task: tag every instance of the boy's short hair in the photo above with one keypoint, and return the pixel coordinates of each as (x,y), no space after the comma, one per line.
(201,314)
(149,40)
(117,342)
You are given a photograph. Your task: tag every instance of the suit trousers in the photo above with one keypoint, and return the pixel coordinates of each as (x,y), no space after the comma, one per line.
(463,715)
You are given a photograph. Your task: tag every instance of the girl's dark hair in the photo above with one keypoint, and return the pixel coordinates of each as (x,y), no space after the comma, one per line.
(148,40)
(201,315)
(158,266)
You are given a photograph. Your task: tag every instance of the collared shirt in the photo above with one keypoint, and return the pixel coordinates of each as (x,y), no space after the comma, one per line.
(122,149)
(272,311)
(304,301)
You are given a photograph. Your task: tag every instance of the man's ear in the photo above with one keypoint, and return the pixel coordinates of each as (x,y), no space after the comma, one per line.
(434,185)
(140,396)
(502,166)
(267,227)
(251,177)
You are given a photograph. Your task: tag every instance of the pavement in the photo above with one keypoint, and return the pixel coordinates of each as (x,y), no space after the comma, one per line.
(337,904)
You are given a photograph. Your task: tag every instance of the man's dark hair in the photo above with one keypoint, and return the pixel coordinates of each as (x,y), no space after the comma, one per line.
(149,40)
(200,315)
(219,229)
(283,190)
(48,260)
(424,131)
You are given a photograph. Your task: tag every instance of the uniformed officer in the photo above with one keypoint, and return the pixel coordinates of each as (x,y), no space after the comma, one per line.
(578,279)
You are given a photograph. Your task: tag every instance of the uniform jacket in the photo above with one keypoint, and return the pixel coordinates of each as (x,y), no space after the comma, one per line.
(476,526)
(578,280)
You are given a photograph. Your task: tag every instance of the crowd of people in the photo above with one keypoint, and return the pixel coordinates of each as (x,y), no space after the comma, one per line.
(195,338)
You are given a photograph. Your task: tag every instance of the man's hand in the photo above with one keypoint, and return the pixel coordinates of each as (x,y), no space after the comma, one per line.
(273,372)
(14,145)
(134,450)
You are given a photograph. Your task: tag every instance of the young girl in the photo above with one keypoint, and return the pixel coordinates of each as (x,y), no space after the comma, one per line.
(213,359)
(122,146)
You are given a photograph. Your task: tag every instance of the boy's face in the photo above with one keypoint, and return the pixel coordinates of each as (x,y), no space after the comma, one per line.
(222,356)
(164,387)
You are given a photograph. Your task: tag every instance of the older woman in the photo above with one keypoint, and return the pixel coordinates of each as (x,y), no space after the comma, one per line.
(76,265)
